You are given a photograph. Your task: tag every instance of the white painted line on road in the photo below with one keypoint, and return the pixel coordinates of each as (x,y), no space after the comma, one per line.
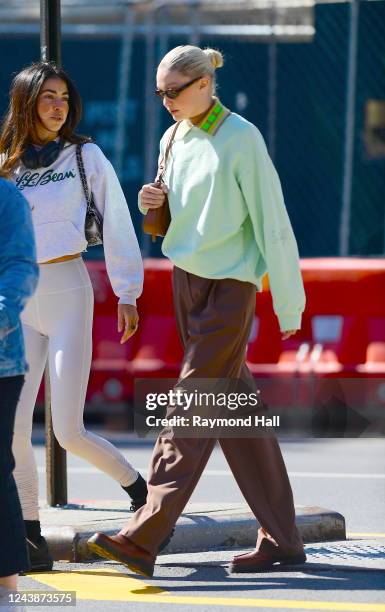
(365,534)
(372,476)
(335,475)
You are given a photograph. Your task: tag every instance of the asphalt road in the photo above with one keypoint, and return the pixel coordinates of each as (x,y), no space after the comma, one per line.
(344,475)
(353,582)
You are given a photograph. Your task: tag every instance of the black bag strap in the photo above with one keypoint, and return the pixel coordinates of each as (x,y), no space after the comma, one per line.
(162,165)
(83,178)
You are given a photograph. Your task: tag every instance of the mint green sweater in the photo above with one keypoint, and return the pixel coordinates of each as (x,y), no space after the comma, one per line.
(228,215)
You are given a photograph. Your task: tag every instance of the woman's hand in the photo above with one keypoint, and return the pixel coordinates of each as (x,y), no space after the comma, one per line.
(288,333)
(128,320)
(152,196)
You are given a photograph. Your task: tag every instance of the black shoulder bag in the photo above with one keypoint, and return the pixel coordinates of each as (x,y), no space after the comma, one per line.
(93,227)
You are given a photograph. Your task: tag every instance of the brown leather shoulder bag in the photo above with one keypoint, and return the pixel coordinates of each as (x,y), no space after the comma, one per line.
(157,220)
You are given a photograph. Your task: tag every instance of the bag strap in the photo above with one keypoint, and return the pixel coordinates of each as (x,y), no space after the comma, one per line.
(83,178)
(162,165)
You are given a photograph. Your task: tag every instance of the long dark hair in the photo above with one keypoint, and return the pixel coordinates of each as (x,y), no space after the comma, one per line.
(19,126)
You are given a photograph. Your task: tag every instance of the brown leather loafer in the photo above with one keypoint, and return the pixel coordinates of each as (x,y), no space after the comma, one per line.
(264,558)
(122,549)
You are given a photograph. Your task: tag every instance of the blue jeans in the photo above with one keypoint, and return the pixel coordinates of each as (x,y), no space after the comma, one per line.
(13,548)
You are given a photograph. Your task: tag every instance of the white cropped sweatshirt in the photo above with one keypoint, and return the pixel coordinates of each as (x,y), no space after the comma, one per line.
(55,195)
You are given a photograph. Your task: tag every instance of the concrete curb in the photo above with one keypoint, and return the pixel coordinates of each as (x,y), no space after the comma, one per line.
(198,529)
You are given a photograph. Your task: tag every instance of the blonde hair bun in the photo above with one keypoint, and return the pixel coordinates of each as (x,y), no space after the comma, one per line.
(193,61)
(216,57)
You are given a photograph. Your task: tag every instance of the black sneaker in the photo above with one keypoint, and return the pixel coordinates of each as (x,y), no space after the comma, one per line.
(137,503)
(138,493)
(40,558)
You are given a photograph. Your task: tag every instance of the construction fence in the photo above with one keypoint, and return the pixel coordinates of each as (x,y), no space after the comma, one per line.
(315,87)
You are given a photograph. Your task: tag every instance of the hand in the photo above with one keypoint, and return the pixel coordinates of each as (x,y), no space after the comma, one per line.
(152,196)
(288,333)
(128,320)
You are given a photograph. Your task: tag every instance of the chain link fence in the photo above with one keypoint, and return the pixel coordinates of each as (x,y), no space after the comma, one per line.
(310,76)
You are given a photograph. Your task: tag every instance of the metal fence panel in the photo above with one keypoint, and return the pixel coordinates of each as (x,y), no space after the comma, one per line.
(296,93)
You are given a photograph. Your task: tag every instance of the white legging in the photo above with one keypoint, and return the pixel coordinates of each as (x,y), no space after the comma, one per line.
(57,322)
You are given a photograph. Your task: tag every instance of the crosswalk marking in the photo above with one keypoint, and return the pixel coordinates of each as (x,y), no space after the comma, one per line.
(371,536)
(111,585)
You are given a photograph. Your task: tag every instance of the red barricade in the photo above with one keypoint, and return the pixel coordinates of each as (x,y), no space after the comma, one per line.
(343,328)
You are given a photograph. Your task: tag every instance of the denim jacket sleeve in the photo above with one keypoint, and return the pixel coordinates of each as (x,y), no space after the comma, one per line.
(18,268)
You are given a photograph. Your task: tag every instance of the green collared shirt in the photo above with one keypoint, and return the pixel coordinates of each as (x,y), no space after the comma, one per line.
(228,217)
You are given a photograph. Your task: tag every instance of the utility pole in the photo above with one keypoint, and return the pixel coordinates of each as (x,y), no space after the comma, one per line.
(56,457)
(350,118)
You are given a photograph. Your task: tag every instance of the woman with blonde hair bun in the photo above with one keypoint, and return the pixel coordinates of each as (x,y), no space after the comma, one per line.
(229,226)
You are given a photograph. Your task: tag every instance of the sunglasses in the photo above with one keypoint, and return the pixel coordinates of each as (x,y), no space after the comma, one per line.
(174,93)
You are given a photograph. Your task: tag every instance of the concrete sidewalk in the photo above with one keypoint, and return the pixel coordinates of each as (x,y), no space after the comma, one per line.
(201,527)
